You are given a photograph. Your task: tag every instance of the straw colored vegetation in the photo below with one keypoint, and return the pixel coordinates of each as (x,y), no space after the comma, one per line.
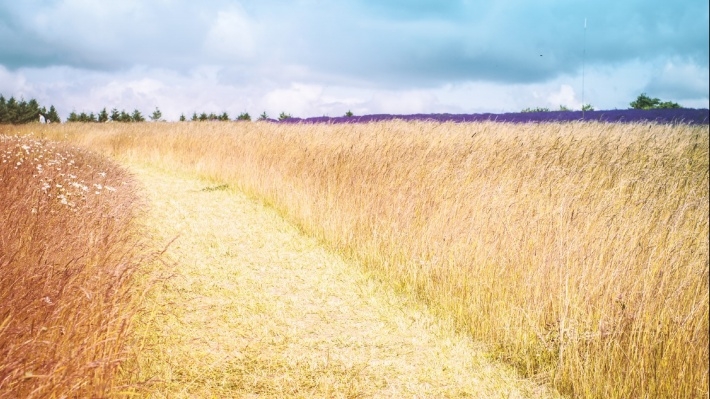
(255,309)
(68,254)
(577,251)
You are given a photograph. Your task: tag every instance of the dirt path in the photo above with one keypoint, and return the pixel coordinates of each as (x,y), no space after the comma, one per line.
(255,309)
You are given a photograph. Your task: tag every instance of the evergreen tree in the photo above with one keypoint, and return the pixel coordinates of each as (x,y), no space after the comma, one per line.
(194,117)
(182,117)
(12,109)
(156,115)
(115,115)
(284,116)
(137,116)
(3,110)
(103,116)
(244,116)
(224,117)
(73,117)
(124,116)
(203,117)
(52,116)
(29,111)
(264,116)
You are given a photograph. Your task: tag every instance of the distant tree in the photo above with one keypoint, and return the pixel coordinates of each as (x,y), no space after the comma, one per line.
(668,105)
(137,116)
(52,116)
(244,116)
(3,110)
(263,116)
(125,117)
(29,111)
(12,108)
(537,109)
(182,118)
(194,117)
(156,115)
(115,115)
(73,117)
(348,114)
(564,109)
(587,107)
(224,117)
(103,116)
(284,116)
(203,117)
(643,101)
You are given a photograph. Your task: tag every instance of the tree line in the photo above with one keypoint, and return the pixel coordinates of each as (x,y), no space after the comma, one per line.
(18,112)
(643,101)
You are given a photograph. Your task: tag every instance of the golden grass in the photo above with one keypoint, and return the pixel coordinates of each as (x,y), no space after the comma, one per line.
(68,253)
(256,309)
(579,250)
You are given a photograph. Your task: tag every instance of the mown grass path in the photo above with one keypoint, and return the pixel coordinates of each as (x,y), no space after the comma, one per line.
(256,309)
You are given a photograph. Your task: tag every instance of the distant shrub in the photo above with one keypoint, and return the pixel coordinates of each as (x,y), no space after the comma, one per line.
(537,109)
(643,101)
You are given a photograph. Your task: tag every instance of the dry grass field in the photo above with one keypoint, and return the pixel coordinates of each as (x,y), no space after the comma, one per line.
(69,250)
(578,252)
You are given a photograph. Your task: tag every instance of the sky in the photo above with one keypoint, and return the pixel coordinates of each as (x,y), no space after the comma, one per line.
(326,57)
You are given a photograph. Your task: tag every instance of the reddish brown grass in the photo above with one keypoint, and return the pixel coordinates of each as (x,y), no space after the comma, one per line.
(68,252)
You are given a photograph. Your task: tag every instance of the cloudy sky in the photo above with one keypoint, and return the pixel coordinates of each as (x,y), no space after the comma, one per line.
(325,57)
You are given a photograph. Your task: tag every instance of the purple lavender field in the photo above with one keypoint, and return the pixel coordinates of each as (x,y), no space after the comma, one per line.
(662,116)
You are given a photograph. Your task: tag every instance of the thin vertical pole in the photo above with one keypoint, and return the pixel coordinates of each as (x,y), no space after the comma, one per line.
(584,58)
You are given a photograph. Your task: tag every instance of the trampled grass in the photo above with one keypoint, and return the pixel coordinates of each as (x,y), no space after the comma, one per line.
(68,253)
(578,251)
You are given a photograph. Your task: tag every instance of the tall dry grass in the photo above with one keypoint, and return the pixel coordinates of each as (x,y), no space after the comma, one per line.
(577,251)
(68,251)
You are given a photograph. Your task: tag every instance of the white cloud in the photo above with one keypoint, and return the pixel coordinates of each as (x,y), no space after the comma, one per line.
(232,36)
(564,96)
(679,80)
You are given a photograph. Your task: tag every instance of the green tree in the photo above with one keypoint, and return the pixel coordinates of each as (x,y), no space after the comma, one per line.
(73,117)
(643,101)
(137,116)
(264,116)
(156,115)
(244,116)
(182,118)
(203,117)
(125,116)
(224,117)
(587,107)
(12,108)
(4,118)
(103,116)
(115,115)
(29,111)
(194,117)
(52,116)
(348,114)
(564,109)
(284,116)
(536,109)
(668,105)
